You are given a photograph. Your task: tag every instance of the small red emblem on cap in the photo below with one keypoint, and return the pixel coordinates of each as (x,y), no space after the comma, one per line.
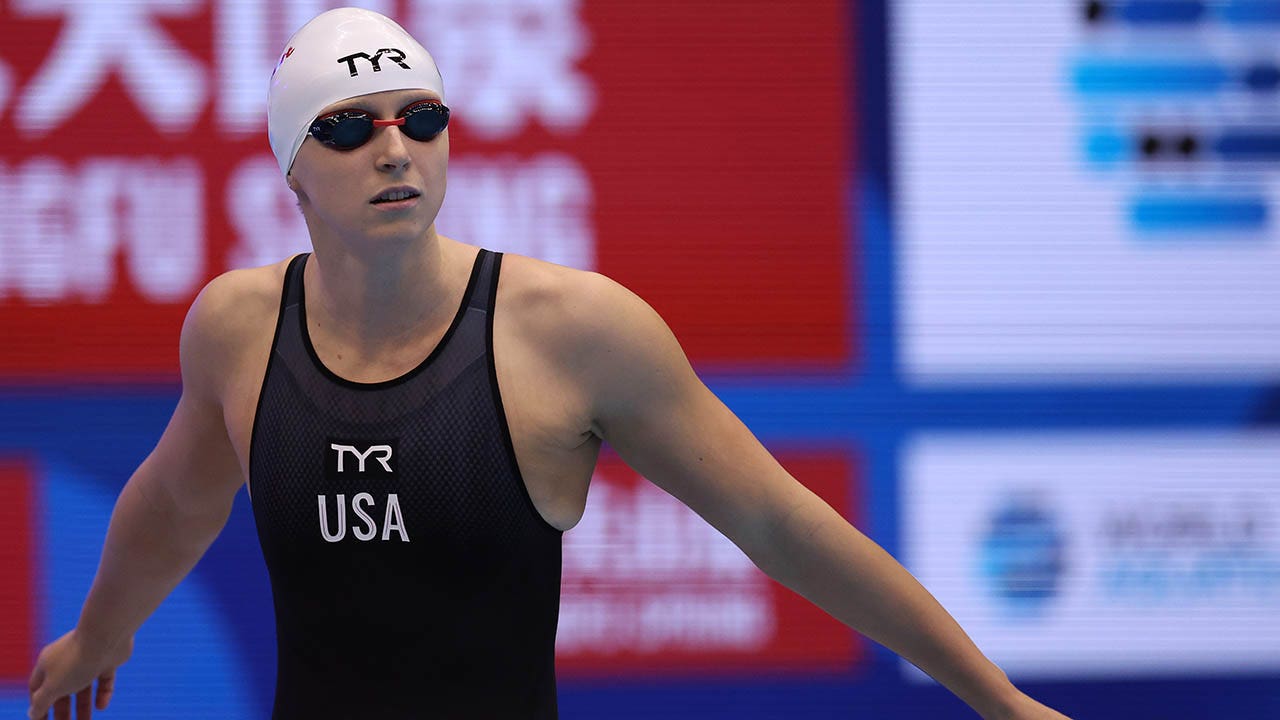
(286,54)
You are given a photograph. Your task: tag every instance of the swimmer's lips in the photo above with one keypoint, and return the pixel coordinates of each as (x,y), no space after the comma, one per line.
(394,197)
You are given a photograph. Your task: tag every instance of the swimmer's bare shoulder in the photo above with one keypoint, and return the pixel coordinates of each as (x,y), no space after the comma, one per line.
(574,320)
(550,302)
(226,337)
(634,382)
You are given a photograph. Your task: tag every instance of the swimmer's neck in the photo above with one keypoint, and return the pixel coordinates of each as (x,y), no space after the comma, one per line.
(378,294)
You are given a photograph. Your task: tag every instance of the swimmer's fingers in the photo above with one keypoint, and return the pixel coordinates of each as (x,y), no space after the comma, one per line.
(37,679)
(62,708)
(106,685)
(84,700)
(84,703)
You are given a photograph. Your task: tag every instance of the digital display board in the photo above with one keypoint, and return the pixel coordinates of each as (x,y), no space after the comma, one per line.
(1092,554)
(655,145)
(1085,192)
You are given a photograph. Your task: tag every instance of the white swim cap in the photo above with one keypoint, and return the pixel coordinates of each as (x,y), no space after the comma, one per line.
(340,54)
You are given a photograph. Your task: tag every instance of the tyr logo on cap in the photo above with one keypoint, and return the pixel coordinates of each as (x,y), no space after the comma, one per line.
(395,55)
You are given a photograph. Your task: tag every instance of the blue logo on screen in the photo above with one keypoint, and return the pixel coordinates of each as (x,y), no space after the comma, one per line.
(1021,557)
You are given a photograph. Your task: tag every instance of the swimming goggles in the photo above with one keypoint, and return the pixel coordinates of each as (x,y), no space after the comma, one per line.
(349,129)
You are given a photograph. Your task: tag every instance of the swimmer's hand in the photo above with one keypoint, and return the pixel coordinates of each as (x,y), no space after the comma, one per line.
(68,666)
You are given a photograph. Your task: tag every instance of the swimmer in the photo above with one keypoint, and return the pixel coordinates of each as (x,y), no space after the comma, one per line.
(417,421)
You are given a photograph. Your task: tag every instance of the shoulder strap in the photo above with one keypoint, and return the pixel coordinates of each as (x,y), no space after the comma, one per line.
(292,294)
(482,294)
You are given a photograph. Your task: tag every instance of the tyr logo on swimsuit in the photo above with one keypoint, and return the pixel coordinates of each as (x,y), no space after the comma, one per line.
(395,55)
(383,455)
(365,458)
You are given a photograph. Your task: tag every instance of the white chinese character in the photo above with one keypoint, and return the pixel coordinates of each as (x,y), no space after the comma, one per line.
(98,38)
(505,61)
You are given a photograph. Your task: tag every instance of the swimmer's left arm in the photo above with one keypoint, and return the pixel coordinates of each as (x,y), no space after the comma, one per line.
(663,421)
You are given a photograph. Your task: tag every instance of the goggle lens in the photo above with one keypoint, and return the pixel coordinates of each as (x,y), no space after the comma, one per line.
(424,121)
(349,133)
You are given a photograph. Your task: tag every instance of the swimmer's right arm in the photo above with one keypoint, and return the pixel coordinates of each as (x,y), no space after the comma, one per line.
(168,514)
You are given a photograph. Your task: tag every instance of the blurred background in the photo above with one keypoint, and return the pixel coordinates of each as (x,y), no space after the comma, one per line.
(997,279)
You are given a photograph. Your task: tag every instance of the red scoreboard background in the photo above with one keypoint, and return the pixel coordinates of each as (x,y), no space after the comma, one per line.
(698,152)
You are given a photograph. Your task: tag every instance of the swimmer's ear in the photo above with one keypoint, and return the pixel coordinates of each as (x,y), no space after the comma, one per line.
(296,187)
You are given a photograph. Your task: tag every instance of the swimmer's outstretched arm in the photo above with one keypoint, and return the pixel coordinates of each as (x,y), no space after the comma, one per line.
(651,407)
(168,514)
